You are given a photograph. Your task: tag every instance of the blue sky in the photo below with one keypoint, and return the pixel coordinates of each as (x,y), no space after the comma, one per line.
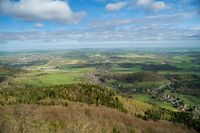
(98,23)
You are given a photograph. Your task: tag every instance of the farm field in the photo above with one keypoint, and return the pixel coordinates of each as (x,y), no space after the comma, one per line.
(147,99)
(135,71)
(133,82)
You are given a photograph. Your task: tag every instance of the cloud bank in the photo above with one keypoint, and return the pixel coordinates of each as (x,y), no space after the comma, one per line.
(150,5)
(41,10)
(151,28)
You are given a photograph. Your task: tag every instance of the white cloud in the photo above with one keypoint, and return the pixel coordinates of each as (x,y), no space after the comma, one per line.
(151,4)
(143,2)
(156,27)
(159,5)
(110,23)
(41,10)
(38,25)
(116,6)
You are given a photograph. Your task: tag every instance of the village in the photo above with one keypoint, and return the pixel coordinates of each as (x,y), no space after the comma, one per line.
(30,60)
(164,92)
(173,100)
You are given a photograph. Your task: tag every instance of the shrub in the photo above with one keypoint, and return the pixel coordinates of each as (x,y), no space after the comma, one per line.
(90,94)
(116,130)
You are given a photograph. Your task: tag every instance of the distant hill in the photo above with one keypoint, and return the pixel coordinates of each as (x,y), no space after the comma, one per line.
(135,77)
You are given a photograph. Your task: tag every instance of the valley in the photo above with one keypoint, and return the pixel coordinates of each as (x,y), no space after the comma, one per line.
(131,83)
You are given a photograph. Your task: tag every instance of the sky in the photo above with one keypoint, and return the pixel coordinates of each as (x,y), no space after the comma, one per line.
(61,24)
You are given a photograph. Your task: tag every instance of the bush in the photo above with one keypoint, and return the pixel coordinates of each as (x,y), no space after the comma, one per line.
(90,94)
(116,130)
(185,118)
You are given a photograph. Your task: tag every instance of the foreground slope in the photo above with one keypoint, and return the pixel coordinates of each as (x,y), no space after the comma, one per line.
(78,118)
(76,108)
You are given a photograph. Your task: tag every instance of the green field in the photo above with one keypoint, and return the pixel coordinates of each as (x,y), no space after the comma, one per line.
(188,99)
(117,68)
(51,78)
(147,98)
(74,66)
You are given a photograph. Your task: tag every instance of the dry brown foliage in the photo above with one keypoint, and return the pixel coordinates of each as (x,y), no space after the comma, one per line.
(77,118)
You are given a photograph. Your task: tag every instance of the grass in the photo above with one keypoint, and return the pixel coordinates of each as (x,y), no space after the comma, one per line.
(135,55)
(148,84)
(134,106)
(52,79)
(183,58)
(147,98)
(142,97)
(188,99)
(138,85)
(189,66)
(62,61)
(164,104)
(49,79)
(40,78)
(119,69)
